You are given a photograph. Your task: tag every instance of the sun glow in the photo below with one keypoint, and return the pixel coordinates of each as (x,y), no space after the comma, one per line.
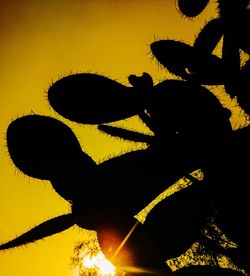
(98,263)
(88,260)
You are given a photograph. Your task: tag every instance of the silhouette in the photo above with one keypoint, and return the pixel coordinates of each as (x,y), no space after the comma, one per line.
(227,177)
(191,131)
(93,106)
(45,148)
(192,8)
(189,63)
(197,63)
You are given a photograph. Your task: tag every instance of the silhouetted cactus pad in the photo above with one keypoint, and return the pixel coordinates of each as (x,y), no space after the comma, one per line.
(192,111)
(188,62)
(92,99)
(206,271)
(128,182)
(192,8)
(43,147)
(142,82)
(176,222)
(209,36)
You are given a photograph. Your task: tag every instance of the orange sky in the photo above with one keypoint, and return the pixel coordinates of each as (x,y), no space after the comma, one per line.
(41,41)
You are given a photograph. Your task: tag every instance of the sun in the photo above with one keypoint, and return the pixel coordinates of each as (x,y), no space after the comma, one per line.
(99,264)
(88,260)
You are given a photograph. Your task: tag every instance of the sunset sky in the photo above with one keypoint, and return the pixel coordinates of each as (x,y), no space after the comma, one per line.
(41,41)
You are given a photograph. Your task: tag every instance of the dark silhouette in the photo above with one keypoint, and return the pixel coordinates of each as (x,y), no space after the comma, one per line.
(83,98)
(45,148)
(192,64)
(192,8)
(197,63)
(191,131)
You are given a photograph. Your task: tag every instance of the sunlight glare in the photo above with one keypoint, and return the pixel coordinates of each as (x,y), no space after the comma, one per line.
(99,263)
(89,260)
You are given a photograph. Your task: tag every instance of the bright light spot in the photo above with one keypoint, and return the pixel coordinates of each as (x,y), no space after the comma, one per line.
(99,263)
(88,260)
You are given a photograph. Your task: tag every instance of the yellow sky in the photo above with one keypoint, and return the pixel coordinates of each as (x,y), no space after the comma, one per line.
(41,41)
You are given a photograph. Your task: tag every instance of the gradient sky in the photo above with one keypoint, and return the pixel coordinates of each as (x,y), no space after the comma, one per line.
(41,41)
